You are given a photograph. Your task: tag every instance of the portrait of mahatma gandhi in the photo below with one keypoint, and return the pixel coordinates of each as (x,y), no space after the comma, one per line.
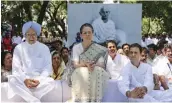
(105,28)
(119,22)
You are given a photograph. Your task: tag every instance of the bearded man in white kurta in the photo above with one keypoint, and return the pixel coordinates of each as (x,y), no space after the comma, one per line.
(137,80)
(104,29)
(32,66)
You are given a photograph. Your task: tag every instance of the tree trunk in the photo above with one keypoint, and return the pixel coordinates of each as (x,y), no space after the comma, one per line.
(149,26)
(42,12)
(27,9)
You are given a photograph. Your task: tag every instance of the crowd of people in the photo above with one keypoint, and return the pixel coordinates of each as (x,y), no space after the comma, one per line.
(143,72)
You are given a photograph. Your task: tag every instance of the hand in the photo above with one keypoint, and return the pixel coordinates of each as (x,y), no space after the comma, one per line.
(141,91)
(31,83)
(133,94)
(90,66)
(157,87)
(35,82)
(136,93)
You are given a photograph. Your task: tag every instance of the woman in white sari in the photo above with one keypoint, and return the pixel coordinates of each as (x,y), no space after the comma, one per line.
(89,77)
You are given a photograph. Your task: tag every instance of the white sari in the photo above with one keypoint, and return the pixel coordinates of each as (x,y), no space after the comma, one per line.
(88,86)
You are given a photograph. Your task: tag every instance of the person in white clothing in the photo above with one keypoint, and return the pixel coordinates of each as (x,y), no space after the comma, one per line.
(143,42)
(119,61)
(16,39)
(32,67)
(163,68)
(149,41)
(152,57)
(105,29)
(137,80)
(115,63)
(89,76)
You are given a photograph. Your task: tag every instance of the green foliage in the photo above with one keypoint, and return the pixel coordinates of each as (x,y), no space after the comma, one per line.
(160,15)
(157,15)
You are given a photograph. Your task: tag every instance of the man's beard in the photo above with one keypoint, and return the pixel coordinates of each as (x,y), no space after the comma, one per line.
(65,57)
(127,52)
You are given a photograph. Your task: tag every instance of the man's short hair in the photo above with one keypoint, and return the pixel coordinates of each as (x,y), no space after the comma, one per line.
(111,41)
(137,46)
(169,46)
(125,45)
(161,44)
(153,46)
(58,41)
(145,50)
(63,48)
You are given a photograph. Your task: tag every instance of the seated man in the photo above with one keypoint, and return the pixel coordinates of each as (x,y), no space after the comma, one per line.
(32,67)
(152,56)
(119,61)
(155,76)
(163,68)
(137,80)
(115,63)
(104,29)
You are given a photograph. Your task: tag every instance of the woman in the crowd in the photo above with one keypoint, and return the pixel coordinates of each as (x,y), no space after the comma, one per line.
(89,75)
(6,68)
(58,65)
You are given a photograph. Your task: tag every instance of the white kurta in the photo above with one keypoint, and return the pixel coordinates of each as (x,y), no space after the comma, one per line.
(118,63)
(16,39)
(142,76)
(31,61)
(149,41)
(164,67)
(153,61)
(143,43)
(114,68)
(155,41)
(104,31)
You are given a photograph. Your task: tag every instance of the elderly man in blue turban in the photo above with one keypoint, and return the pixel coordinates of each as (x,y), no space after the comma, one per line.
(32,67)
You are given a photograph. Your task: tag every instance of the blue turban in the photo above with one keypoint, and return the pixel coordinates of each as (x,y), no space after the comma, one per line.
(35,26)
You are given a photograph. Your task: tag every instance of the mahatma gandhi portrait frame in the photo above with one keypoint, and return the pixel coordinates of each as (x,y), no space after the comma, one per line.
(127,17)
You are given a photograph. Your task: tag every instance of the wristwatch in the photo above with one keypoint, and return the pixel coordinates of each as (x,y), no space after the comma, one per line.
(128,94)
(145,88)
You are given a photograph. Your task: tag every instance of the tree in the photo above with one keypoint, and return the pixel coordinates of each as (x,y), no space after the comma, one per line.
(42,12)
(157,15)
(57,11)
